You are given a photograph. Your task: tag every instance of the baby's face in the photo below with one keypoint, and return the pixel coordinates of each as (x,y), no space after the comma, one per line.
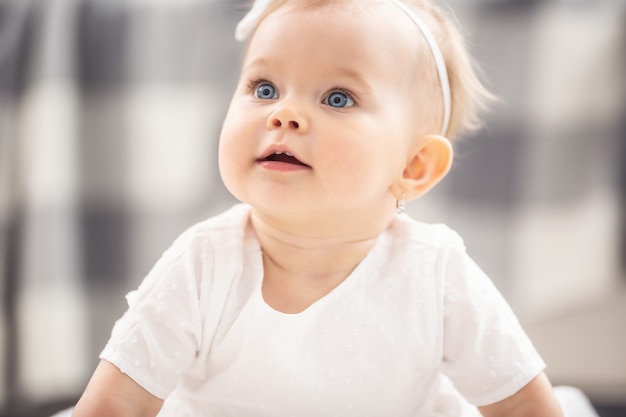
(322,116)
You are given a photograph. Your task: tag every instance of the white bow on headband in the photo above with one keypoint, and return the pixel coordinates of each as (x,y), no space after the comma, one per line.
(247,25)
(250,21)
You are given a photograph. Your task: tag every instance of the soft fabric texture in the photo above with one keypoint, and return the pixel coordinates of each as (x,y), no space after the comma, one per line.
(414,320)
(573,401)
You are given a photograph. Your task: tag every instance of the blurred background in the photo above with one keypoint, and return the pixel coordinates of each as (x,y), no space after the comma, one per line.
(110,112)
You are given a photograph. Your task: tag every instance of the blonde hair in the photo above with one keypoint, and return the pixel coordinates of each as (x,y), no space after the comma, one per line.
(469,97)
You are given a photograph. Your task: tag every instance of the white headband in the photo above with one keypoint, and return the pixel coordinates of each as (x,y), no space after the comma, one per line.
(247,25)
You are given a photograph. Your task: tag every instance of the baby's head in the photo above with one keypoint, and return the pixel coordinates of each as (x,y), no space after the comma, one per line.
(467,94)
(341,103)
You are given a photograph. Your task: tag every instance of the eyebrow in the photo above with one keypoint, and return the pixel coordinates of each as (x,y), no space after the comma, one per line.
(351,73)
(258,62)
(337,72)
(345,71)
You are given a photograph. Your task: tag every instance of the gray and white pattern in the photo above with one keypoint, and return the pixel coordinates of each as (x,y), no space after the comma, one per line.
(110,113)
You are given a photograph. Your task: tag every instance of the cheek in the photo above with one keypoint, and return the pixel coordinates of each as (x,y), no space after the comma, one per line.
(224,145)
(372,150)
(362,168)
(228,152)
(235,133)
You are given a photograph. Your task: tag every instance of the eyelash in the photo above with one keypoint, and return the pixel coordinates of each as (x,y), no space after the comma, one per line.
(255,82)
(341,90)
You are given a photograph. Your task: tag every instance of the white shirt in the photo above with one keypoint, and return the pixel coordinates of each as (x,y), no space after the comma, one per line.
(416,330)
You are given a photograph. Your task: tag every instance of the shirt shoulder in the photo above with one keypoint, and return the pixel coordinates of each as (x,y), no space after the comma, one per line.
(221,232)
(436,236)
(230,223)
(168,311)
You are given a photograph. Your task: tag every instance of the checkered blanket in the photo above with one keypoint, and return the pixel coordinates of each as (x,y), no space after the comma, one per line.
(109,117)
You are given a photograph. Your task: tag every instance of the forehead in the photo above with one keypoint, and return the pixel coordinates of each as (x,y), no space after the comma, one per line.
(364,34)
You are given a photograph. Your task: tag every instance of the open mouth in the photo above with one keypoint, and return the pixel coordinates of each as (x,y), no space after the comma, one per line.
(284,157)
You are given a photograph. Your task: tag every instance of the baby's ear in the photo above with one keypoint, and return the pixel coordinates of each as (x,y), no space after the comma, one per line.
(428,162)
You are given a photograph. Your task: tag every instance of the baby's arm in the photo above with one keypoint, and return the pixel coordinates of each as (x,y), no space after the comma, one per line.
(111,393)
(536,399)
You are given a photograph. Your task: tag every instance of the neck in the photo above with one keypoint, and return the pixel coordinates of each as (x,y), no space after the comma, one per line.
(307,252)
(305,260)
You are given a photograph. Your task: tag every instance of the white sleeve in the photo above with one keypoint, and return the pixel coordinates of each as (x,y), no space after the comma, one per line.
(487,354)
(157,338)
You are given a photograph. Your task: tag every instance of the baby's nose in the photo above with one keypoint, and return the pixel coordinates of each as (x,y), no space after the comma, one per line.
(287,117)
(292,123)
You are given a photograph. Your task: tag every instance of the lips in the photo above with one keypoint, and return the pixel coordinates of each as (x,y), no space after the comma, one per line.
(284,157)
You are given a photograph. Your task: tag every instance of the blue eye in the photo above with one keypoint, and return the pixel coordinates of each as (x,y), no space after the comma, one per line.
(265,91)
(339,99)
